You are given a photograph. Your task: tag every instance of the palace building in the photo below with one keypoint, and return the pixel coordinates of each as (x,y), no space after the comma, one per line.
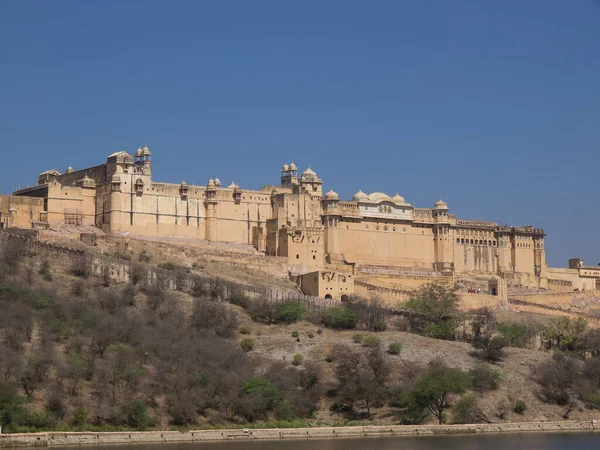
(316,233)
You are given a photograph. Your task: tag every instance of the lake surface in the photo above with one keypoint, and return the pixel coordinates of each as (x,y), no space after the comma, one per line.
(518,441)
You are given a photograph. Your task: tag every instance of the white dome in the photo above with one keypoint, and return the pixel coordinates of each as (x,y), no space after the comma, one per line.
(360,196)
(309,174)
(378,197)
(293,166)
(285,168)
(441,204)
(332,195)
(398,199)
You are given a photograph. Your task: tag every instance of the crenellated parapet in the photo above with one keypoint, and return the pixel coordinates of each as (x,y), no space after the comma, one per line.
(476,224)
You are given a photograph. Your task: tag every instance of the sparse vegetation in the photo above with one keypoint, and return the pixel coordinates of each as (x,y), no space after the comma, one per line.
(485,379)
(81,266)
(515,334)
(45,270)
(339,317)
(83,353)
(467,410)
(247,344)
(567,334)
(395,348)
(290,312)
(519,407)
(144,257)
(490,347)
(371,341)
(137,273)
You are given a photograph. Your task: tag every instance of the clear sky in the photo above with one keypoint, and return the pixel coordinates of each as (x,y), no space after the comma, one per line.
(492,106)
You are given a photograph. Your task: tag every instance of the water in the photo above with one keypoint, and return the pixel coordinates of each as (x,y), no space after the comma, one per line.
(517,441)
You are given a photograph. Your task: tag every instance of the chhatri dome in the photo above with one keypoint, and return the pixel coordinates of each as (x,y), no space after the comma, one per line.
(332,195)
(398,199)
(146,151)
(293,166)
(378,197)
(360,196)
(309,174)
(285,168)
(139,152)
(441,204)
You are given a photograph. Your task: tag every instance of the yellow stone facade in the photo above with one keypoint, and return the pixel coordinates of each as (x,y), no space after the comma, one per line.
(315,231)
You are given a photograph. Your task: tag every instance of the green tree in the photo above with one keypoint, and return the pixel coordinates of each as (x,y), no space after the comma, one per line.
(135,415)
(340,317)
(490,347)
(567,333)
(485,379)
(435,308)
(11,412)
(516,334)
(290,312)
(431,392)
(466,410)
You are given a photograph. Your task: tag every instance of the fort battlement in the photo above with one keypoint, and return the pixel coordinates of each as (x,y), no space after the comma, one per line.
(294,219)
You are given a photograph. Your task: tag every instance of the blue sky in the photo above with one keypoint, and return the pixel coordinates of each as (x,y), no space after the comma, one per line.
(492,106)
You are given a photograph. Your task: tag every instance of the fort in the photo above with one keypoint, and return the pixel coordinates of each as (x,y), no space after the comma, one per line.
(327,242)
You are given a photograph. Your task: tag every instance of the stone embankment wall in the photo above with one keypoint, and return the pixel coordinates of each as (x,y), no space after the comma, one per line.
(562,299)
(90,438)
(120,271)
(389,296)
(475,301)
(574,304)
(42,250)
(392,297)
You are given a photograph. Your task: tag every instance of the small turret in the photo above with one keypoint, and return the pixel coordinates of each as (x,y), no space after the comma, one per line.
(440,211)
(289,175)
(183,190)
(211,190)
(311,183)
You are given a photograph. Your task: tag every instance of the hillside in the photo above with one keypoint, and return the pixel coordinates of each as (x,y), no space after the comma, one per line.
(80,350)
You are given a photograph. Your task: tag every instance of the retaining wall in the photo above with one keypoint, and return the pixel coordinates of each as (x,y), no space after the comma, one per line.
(120,271)
(90,438)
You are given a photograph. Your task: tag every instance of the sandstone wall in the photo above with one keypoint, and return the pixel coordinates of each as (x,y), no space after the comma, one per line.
(18,211)
(91,438)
